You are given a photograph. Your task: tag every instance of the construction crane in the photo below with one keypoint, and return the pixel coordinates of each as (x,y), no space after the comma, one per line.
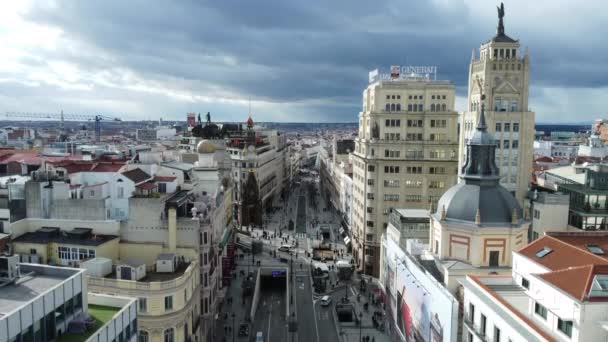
(73,117)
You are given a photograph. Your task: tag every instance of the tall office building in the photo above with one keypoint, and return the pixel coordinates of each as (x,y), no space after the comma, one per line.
(503,73)
(405,155)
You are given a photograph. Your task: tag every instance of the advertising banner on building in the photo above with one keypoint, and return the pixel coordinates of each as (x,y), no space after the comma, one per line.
(422,309)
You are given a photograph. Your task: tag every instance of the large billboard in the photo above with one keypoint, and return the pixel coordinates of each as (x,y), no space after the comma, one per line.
(421,307)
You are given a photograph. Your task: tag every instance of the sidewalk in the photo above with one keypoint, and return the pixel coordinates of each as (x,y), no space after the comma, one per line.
(351,333)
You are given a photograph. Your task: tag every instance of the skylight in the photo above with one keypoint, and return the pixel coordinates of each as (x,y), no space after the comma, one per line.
(543,252)
(602,282)
(595,249)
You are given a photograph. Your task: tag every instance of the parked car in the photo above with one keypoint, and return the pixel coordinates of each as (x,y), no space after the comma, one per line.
(325,300)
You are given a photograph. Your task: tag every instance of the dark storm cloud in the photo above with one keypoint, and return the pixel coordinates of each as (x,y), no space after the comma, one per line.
(299,51)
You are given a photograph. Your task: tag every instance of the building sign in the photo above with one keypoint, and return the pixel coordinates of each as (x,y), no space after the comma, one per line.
(395,71)
(428,72)
(373,76)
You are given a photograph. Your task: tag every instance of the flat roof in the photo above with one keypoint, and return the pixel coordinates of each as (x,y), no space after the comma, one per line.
(28,287)
(414,213)
(68,238)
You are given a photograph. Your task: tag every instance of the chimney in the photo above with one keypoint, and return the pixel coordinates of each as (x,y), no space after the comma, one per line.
(172,229)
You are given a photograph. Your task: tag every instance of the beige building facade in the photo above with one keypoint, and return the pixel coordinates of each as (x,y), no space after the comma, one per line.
(405,156)
(503,73)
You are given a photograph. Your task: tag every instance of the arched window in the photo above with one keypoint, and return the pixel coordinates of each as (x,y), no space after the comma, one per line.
(420,107)
(388,107)
(392,107)
(443,107)
(433,106)
(398,107)
(143,336)
(169,335)
(409,107)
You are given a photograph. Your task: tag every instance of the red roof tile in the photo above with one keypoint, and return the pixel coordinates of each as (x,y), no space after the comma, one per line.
(576,281)
(164,179)
(108,167)
(565,254)
(137,175)
(146,186)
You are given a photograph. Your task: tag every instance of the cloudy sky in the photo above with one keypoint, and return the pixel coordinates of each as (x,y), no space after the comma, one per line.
(296,60)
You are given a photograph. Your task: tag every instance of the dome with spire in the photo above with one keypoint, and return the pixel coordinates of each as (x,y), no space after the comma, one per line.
(479,198)
(250,122)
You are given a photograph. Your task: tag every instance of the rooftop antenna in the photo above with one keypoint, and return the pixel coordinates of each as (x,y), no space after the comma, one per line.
(249,105)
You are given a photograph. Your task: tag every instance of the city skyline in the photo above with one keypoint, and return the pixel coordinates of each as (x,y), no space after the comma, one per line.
(292,60)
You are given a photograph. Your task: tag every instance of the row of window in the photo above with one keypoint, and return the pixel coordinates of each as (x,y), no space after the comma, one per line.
(74,253)
(413,107)
(565,326)
(415,97)
(494,66)
(506,127)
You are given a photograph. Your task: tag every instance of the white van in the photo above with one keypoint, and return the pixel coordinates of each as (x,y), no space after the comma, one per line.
(259,337)
(285,248)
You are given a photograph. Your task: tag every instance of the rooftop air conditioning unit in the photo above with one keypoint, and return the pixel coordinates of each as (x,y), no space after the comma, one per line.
(9,267)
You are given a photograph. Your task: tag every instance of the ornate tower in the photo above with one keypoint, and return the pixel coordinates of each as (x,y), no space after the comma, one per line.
(502,73)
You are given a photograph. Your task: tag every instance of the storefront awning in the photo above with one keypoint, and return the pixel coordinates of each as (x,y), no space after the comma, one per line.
(225,238)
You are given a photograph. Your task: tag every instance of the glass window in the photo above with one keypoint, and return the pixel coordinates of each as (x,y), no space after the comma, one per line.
(525,283)
(143,336)
(168,302)
(143,304)
(169,335)
(516,127)
(540,310)
(507,127)
(515,144)
(565,327)
(498,127)
(505,144)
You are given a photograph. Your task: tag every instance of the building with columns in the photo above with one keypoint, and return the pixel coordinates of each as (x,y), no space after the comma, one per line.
(502,72)
(405,155)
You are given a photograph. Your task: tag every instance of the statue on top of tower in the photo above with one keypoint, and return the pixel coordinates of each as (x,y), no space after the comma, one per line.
(501,14)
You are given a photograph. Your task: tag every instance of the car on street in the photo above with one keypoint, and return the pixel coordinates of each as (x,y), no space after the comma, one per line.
(285,248)
(325,300)
(259,337)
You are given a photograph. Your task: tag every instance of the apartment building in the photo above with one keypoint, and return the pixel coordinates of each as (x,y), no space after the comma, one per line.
(405,155)
(557,292)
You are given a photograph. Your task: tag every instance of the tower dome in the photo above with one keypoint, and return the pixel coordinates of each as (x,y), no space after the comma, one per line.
(479,198)
(205,146)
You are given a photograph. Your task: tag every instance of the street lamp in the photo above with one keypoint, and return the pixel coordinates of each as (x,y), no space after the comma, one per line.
(233,315)
(360,325)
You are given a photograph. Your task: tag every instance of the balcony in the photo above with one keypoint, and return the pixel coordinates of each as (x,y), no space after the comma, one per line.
(153,281)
